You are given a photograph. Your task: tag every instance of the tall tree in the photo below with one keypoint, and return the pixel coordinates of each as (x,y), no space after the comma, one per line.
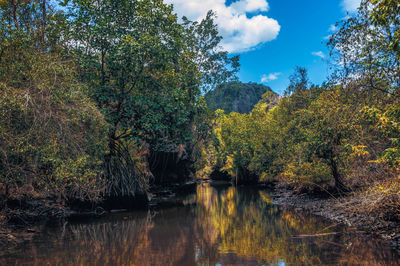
(213,63)
(298,80)
(44,13)
(367,46)
(14,12)
(144,71)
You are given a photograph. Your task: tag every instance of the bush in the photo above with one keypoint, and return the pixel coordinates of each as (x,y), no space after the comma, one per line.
(308,176)
(52,137)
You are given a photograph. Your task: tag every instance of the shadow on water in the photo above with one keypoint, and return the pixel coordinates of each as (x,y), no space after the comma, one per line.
(226,226)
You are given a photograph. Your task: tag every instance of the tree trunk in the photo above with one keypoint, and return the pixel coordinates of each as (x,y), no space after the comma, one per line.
(339,186)
(43,23)
(103,75)
(14,10)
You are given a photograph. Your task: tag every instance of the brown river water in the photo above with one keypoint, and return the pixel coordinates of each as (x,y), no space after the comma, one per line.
(224,226)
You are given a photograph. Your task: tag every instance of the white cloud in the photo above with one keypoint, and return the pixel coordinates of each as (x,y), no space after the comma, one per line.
(270,77)
(240,32)
(350,5)
(250,6)
(319,54)
(333,28)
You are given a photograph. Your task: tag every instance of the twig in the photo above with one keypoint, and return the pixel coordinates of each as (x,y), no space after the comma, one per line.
(316,235)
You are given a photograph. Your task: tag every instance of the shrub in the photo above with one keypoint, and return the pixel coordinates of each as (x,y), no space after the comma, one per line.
(51,134)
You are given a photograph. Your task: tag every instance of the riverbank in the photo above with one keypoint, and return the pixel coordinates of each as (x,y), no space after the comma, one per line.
(343,209)
(22,219)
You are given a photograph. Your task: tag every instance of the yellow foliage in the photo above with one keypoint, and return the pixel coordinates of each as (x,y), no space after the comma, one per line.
(359,151)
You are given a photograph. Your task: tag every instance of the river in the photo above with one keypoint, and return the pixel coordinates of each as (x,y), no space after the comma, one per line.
(214,226)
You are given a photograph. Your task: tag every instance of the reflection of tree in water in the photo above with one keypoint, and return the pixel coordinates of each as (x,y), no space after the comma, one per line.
(110,242)
(232,226)
(137,241)
(245,224)
(171,239)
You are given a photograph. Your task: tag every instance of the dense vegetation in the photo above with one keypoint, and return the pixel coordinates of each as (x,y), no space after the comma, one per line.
(235,96)
(89,88)
(338,137)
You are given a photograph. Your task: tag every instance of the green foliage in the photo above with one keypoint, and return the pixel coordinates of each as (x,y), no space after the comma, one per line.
(298,80)
(342,135)
(51,134)
(307,175)
(367,46)
(89,89)
(241,147)
(144,68)
(387,123)
(316,138)
(136,67)
(214,64)
(146,72)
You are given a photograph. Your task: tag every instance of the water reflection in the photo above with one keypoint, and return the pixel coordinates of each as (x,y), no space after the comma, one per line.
(227,227)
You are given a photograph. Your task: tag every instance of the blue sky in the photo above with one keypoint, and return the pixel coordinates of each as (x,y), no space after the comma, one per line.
(274,36)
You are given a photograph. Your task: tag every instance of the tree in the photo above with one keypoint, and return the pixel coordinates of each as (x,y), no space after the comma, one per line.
(367,46)
(146,71)
(298,80)
(52,136)
(214,64)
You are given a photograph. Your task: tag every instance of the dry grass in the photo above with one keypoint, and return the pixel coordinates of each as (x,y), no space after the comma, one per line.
(383,199)
(378,202)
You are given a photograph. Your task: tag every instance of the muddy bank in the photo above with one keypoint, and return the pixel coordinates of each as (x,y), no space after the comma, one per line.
(342,209)
(21,220)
